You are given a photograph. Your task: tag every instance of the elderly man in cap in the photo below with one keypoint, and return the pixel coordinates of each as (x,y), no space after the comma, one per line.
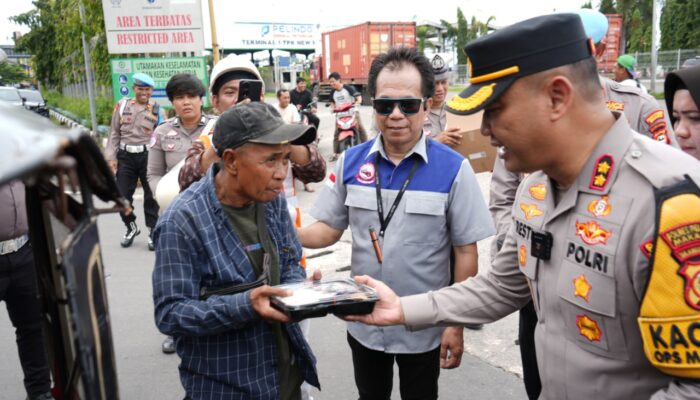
(133,123)
(602,239)
(220,247)
(435,124)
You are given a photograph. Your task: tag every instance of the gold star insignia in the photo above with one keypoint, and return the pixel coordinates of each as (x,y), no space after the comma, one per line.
(599,180)
(604,167)
(581,287)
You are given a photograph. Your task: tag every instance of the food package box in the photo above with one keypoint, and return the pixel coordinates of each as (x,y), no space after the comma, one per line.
(475,147)
(318,298)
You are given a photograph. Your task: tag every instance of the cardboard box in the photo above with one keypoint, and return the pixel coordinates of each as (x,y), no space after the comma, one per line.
(475,147)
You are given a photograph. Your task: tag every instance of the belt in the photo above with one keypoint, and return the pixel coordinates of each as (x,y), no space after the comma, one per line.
(132,148)
(12,245)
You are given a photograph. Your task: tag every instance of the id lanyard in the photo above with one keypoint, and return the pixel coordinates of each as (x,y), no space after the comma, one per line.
(380,208)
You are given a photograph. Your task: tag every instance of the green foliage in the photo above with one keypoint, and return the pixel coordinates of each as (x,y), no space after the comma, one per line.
(679,22)
(607,7)
(462,37)
(80,108)
(54,41)
(587,5)
(11,73)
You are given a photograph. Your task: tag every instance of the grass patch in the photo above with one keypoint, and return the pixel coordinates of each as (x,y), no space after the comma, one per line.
(79,108)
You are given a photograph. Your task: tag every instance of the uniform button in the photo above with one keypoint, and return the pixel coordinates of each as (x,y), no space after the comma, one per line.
(636,153)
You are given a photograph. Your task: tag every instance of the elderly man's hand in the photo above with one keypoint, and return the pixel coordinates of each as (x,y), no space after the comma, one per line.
(450,137)
(387,311)
(260,297)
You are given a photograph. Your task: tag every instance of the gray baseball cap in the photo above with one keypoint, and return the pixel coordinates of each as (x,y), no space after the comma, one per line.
(440,68)
(257,122)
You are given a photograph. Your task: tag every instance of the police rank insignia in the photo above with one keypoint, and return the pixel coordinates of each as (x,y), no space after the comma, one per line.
(581,287)
(592,233)
(647,247)
(588,328)
(684,241)
(615,106)
(601,207)
(539,191)
(522,255)
(531,210)
(602,172)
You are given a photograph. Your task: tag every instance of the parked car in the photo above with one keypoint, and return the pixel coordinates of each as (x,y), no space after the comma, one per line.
(33,101)
(64,172)
(11,95)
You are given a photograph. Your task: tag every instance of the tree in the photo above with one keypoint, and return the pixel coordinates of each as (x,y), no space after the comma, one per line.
(679,22)
(462,37)
(607,7)
(11,73)
(54,41)
(587,5)
(422,34)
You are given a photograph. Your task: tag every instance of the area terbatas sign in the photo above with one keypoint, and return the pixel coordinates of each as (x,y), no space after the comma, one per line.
(153,26)
(269,35)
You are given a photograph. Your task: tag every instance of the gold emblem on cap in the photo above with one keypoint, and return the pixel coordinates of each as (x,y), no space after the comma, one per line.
(458,103)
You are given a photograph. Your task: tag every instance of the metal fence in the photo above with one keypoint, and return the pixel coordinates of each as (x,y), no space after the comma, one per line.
(667,61)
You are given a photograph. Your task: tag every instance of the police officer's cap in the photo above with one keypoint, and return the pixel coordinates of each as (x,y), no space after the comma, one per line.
(440,69)
(143,80)
(497,60)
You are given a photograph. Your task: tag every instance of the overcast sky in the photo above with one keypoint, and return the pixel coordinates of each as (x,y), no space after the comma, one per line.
(356,11)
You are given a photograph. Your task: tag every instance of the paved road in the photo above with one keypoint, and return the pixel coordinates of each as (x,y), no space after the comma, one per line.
(491,367)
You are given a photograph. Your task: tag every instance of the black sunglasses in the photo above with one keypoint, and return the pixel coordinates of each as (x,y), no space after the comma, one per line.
(407,105)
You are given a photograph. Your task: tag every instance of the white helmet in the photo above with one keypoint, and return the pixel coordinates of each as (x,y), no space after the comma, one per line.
(231,63)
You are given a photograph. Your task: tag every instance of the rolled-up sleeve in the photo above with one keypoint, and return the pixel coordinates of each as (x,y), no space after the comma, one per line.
(468,216)
(330,206)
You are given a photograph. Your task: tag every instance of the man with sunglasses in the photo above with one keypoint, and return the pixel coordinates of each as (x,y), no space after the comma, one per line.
(420,199)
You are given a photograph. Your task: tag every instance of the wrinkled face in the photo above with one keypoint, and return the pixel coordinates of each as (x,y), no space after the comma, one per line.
(187,106)
(440,95)
(261,169)
(514,122)
(227,96)
(284,98)
(335,83)
(301,86)
(620,73)
(686,122)
(398,129)
(142,93)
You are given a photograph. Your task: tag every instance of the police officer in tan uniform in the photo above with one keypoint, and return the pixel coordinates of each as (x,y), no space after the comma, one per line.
(133,123)
(610,325)
(435,125)
(644,116)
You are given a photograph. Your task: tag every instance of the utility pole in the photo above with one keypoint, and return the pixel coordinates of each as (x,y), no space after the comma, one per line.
(214,42)
(654,42)
(88,74)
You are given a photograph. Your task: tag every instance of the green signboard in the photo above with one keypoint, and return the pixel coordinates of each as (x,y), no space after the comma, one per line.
(160,69)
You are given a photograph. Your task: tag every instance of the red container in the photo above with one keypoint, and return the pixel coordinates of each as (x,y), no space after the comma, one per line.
(350,51)
(607,62)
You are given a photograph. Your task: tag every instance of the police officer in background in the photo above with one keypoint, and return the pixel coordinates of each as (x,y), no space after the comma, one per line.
(435,125)
(604,239)
(133,123)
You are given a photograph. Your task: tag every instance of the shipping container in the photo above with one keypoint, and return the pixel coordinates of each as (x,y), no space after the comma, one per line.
(351,50)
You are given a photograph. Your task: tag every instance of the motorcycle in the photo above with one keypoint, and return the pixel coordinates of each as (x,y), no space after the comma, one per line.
(347,127)
(305,112)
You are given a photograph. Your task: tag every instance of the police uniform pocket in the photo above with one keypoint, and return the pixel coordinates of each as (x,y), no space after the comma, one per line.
(589,311)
